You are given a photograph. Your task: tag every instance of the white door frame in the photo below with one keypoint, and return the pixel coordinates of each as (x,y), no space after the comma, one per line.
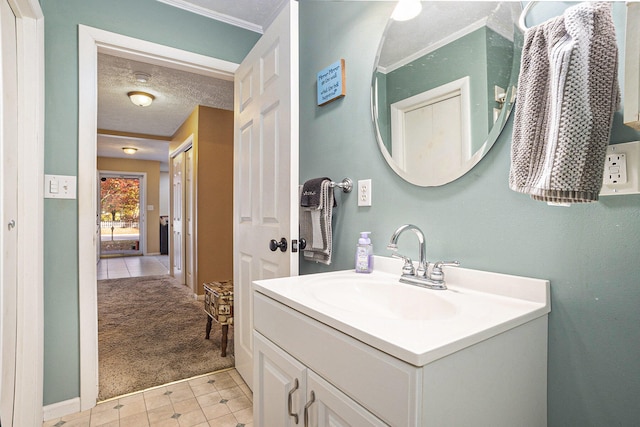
(90,42)
(30,217)
(142,223)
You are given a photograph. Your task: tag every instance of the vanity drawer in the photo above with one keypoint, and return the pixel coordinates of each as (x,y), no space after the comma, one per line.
(386,386)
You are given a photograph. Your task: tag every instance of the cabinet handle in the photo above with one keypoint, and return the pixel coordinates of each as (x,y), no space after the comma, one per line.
(290,401)
(306,408)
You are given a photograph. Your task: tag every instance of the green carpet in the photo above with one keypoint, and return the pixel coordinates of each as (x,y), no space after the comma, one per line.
(151,332)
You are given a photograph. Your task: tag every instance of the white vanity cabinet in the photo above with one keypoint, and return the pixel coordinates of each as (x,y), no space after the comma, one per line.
(279,387)
(286,394)
(481,361)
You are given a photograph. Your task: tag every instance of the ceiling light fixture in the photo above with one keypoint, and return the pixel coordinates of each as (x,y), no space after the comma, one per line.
(406,10)
(142,99)
(129,150)
(141,77)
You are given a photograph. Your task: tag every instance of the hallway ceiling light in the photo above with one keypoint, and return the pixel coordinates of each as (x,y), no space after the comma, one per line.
(129,150)
(406,10)
(142,99)
(141,77)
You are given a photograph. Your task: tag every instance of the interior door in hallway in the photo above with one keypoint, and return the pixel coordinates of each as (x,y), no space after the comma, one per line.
(189,241)
(9,212)
(177,212)
(265,172)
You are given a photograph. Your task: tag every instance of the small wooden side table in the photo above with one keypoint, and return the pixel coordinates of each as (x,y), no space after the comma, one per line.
(218,304)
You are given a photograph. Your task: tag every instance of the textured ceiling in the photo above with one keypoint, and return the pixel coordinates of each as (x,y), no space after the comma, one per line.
(177,92)
(176,95)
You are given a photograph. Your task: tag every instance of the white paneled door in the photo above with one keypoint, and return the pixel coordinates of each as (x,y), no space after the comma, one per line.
(265,172)
(177,212)
(9,211)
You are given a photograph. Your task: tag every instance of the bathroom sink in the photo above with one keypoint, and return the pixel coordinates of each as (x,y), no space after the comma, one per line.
(385,297)
(412,323)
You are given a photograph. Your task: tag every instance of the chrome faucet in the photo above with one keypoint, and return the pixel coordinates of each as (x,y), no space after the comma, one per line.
(423,264)
(421,275)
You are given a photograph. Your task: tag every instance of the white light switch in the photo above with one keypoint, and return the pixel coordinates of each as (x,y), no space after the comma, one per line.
(59,187)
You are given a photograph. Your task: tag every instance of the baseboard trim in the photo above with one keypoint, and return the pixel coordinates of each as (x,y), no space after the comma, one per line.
(60,409)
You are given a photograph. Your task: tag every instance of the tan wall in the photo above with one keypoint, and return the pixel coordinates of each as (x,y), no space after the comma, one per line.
(190,126)
(215,195)
(212,131)
(152,196)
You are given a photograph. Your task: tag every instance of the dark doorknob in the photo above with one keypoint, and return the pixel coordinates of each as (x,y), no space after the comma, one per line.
(282,244)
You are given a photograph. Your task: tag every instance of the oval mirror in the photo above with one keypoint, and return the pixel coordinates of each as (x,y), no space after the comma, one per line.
(443,87)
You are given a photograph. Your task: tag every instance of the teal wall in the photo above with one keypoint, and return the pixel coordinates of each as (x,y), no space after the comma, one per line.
(590,253)
(144,19)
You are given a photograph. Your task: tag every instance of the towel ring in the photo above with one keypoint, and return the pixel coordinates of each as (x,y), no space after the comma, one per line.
(523,16)
(346,185)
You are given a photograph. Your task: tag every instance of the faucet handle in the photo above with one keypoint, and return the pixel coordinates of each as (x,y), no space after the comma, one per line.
(407,268)
(437,274)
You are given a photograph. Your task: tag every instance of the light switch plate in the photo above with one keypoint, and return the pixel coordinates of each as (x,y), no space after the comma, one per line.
(60,187)
(629,184)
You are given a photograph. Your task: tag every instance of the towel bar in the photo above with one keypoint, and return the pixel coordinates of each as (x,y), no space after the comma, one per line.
(523,16)
(346,185)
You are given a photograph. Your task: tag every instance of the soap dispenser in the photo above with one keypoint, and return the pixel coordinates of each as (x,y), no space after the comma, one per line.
(364,254)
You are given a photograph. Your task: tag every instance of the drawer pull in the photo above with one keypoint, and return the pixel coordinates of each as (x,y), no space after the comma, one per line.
(290,401)
(306,408)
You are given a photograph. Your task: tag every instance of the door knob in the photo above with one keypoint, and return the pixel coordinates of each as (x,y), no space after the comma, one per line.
(282,244)
(11,224)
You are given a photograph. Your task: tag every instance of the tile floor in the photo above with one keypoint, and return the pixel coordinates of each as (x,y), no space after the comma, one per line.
(217,400)
(132,266)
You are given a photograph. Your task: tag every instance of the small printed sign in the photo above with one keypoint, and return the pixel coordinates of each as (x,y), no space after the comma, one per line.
(331,83)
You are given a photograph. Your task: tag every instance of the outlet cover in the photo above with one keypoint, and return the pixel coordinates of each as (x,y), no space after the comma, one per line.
(364,192)
(615,169)
(621,172)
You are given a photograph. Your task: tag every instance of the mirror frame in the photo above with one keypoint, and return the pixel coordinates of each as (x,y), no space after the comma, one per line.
(491,138)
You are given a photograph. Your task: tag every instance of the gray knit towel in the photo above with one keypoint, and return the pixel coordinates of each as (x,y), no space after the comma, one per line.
(315,225)
(567,94)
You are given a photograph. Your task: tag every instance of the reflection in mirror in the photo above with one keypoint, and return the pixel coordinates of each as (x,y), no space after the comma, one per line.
(443,85)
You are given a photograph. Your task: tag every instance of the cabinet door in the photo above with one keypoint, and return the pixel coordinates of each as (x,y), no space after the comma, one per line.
(279,385)
(328,407)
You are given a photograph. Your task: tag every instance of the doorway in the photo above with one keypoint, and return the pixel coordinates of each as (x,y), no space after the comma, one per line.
(92,41)
(122,219)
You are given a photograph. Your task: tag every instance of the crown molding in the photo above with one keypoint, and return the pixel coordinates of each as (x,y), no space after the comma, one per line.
(184,5)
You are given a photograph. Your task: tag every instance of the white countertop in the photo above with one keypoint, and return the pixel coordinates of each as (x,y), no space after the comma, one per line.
(414,324)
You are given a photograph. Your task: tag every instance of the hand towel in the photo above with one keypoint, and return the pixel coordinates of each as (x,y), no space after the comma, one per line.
(315,221)
(566,97)
(311,191)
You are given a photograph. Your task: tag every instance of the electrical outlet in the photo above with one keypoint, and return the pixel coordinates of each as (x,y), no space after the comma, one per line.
(615,169)
(364,192)
(621,169)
